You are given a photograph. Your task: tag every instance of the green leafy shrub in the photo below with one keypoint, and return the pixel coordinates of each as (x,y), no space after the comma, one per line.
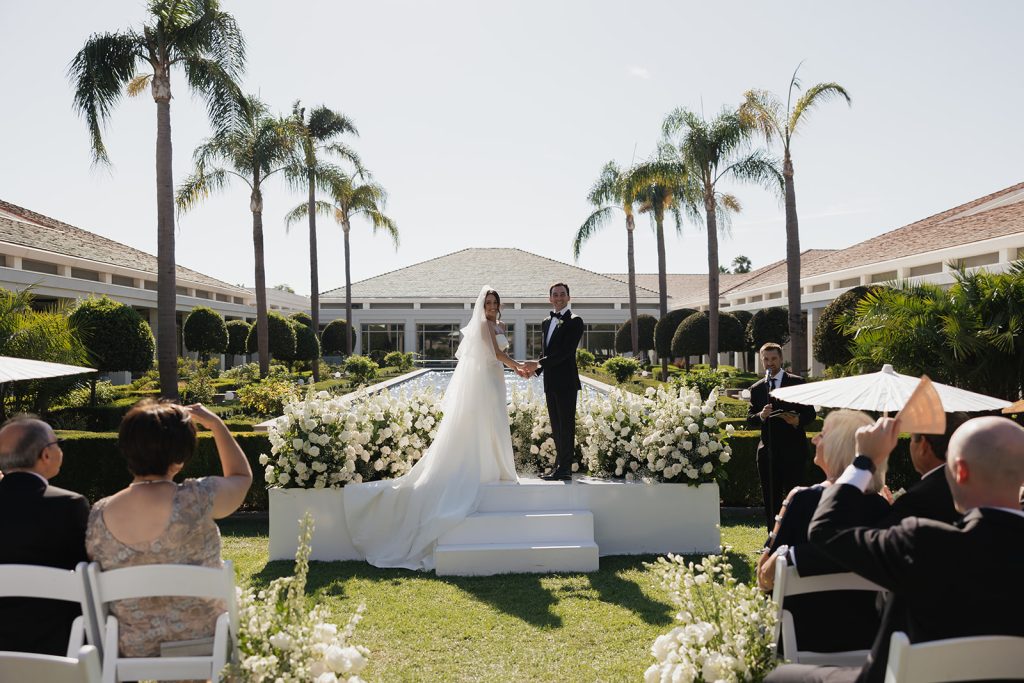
(665,329)
(645,332)
(302,318)
(281,337)
(81,396)
(361,369)
(266,398)
(307,346)
(831,342)
(585,359)
(621,368)
(199,387)
(333,337)
(115,335)
(397,359)
(768,325)
(238,334)
(377,356)
(691,337)
(703,380)
(243,374)
(204,332)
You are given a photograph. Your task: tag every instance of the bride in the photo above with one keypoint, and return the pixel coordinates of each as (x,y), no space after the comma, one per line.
(396,522)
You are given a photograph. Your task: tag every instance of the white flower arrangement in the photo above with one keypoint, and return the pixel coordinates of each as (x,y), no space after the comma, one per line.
(325,442)
(532,442)
(612,434)
(280,640)
(726,629)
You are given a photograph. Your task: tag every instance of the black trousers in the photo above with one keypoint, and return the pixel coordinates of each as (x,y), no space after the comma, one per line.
(562,411)
(787,467)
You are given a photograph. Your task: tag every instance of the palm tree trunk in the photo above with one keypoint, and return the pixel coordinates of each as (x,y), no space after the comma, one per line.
(712,227)
(166,283)
(348,293)
(634,332)
(314,276)
(797,334)
(659,221)
(262,324)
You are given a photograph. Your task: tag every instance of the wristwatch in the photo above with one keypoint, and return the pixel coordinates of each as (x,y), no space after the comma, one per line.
(863,462)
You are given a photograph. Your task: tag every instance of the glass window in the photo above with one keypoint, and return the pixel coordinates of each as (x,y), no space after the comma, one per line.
(599,339)
(534,341)
(437,341)
(384,337)
(511,334)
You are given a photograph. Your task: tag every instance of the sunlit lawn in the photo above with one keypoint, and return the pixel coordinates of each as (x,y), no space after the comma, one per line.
(520,627)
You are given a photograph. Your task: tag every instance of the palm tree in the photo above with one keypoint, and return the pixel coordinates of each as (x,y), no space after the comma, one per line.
(710,151)
(351,199)
(206,43)
(741,264)
(255,147)
(765,110)
(611,192)
(316,136)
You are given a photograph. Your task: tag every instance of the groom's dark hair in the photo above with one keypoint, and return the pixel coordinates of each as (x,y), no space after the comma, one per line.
(551,289)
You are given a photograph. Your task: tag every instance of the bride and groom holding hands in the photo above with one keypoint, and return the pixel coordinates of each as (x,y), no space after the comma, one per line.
(396,522)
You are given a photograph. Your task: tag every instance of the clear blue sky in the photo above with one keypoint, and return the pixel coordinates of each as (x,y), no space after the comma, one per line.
(487,122)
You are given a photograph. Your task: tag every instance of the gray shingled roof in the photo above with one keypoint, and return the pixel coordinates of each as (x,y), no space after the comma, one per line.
(775,273)
(514,273)
(685,289)
(27,228)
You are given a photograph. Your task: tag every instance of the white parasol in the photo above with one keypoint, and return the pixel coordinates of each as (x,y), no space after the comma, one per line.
(15,369)
(884,391)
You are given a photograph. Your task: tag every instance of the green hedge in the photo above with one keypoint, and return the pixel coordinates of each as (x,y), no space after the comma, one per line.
(94,467)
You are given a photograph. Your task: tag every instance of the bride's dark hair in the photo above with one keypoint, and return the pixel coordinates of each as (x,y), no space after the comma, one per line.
(497,299)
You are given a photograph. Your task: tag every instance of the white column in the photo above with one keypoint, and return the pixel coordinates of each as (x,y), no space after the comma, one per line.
(410,335)
(813,316)
(519,343)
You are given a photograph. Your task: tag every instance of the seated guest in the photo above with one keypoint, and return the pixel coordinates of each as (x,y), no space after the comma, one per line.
(813,614)
(157,521)
(39,524)
(930,496)
(955,581)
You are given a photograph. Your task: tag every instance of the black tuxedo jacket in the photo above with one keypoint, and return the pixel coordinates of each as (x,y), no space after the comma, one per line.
(43,525)
(775,430)
(929,497)
(953,580)
(558,364)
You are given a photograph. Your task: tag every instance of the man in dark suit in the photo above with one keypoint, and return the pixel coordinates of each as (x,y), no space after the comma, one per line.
(782,453)
(930,496)
(41,525)
(954,580)
(562,334)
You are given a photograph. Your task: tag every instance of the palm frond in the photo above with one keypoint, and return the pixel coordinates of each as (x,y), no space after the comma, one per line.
(593,223)
(301,211)
(325,124)
(224,100)
(763,110)
(138,85)
(199,186)
(815,95)
(760,168)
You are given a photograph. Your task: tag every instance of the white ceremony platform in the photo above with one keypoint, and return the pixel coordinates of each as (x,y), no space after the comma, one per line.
(534,526)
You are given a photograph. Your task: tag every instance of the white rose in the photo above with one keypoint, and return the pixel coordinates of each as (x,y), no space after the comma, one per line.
(703,451)
(297,444)
(693,428)
(264,458)
(707,468)
(281,641)
(724,457)
(284,478)
(729,429)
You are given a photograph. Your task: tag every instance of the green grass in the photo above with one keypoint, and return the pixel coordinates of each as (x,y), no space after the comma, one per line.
(516,627)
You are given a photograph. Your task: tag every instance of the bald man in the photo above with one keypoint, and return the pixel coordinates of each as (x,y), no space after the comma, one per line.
(953,580)
(39,524)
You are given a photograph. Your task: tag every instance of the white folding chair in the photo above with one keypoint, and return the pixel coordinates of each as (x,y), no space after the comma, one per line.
(788,583)
(165,580)
(24,666)
(974,658)
(53,583)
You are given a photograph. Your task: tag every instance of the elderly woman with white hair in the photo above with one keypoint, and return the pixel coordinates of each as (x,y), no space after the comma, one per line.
(815,615)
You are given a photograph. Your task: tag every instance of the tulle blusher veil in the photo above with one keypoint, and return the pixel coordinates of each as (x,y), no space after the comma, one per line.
(396,523)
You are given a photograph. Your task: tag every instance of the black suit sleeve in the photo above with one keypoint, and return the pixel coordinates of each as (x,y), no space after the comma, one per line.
(567,344)
(884,556)
(77,528)
(758,397)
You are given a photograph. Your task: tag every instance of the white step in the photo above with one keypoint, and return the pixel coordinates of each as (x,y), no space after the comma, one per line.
(485,559)
(548,526)
(531,495)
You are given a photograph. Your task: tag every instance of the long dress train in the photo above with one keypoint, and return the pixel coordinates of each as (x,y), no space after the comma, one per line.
(396,522)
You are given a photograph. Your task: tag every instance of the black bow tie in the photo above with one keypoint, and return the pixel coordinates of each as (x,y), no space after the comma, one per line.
(556,315)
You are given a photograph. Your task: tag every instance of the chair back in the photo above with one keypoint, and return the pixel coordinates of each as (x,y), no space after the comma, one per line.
(165,580)
(24,666)
(788,583)
(975,658)
(54,583)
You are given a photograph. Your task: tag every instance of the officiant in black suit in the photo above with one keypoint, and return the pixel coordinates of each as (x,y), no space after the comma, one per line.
(782,453)
(562,334)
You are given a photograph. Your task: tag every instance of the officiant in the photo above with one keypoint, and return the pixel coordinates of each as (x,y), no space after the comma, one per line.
(782,452)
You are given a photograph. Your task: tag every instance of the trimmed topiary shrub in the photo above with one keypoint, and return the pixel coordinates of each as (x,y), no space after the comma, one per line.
(204,332)
(831,344)
(333,338)
(645,328)
(732,334)
(399,360)
(307,346)
(282,337)
(768,325)
(302,318)
(115,335)
(691,337)
(585,359)
(621,368)
(361,369)
(238,335)
(665,329)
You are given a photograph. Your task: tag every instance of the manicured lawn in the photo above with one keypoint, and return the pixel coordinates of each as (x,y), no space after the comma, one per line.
(519,627)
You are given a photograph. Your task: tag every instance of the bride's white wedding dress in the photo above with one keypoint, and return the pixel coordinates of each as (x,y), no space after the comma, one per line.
(396,522)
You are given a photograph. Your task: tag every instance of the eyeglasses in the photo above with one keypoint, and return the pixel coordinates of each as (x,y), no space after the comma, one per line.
(56,442)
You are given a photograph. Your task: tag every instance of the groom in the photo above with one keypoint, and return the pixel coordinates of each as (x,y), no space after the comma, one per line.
(562,334)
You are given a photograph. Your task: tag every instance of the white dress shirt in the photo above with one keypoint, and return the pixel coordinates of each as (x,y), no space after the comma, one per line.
(553,325)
